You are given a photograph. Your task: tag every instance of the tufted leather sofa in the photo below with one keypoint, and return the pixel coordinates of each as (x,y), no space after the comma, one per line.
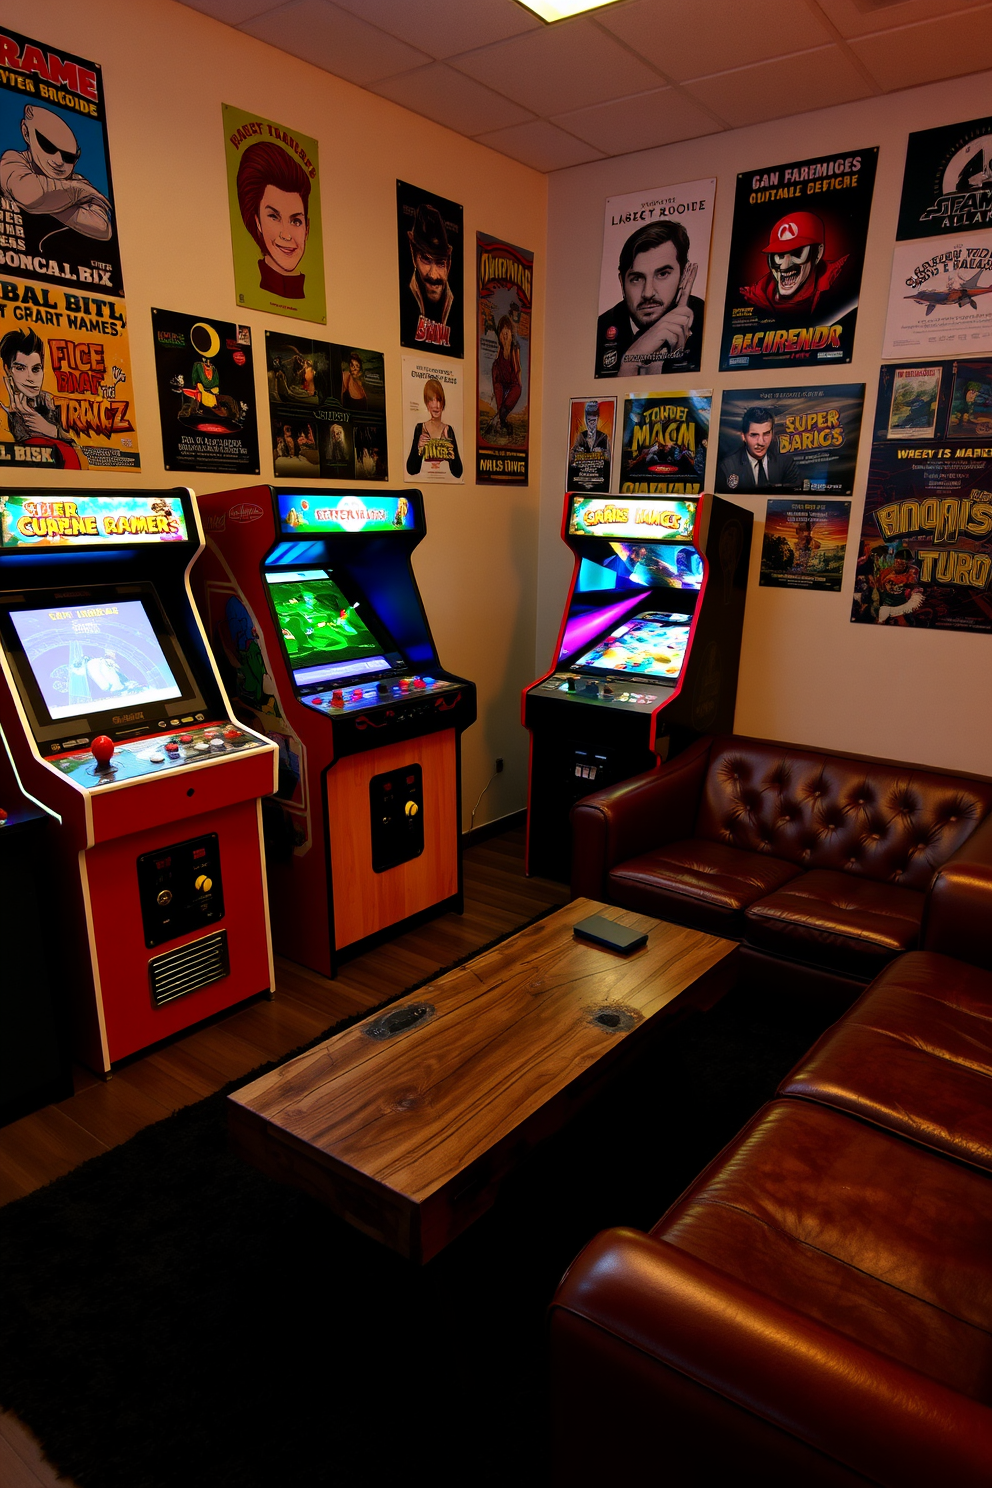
(814,861)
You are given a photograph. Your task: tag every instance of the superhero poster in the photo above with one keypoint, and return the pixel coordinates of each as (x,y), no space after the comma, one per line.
(206,394)
(796,257)
(656,250)
(273,192)
(591,431)
(664,443)
(797,440)
(327,409)
(504,284)
(56,196)
(432,422)
(940,297)
(66,399)
(947,183)
(430,243)
(925,560)
(804,544)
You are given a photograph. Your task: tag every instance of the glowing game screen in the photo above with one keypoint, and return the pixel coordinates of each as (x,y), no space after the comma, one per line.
(90,658)
(652,645)
(324,636)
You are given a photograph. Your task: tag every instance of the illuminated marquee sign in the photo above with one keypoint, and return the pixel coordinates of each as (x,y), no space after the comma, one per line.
(89,521)
(662,520)
(304,515)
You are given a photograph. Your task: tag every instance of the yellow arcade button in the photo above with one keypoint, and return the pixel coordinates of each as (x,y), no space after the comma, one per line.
(411,808)
(204,884)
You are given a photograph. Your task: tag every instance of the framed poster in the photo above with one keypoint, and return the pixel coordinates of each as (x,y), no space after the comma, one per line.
(664,443)
(796,440)
(945,186)
(206,393)
(591,432)
(937,297)
(432,422)
(430,242)
(327,409)
(504,284)
(804,544)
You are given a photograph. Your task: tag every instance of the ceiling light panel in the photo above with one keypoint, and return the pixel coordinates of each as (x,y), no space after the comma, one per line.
(561,10)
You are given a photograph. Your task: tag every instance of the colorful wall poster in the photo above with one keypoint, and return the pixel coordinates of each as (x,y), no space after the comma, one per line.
(591,430)
(327,408)
(796,257)
(656,252)
(926,538)
(664,443)
(804,544)
(432,422)
(431,243)
(56,195)
(206,394)
(66,397)
(937,301)
(947,183)
(794,439)
(504,283)
(273,190)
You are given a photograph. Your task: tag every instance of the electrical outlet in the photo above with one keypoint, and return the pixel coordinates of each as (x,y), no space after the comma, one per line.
(499,767)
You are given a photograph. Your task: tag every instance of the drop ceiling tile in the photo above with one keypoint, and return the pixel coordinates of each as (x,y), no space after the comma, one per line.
(660,117)
(334,39)
(929,51)
(443,27)
(451,98)
(540,145)
(786,85)
(558,67)
(861,18)
(727,34)
(232,11)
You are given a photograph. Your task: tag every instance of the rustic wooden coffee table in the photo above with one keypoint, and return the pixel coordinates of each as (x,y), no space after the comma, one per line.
(405,1124)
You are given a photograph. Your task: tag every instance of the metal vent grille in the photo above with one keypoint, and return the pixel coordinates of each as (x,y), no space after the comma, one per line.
(189,968)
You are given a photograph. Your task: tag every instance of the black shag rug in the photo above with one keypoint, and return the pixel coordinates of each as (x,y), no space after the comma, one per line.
(171,1319)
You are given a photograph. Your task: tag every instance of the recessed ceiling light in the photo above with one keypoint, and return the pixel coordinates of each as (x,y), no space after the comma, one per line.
(560,10)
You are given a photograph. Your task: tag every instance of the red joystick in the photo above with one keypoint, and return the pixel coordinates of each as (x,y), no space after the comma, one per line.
(102,750)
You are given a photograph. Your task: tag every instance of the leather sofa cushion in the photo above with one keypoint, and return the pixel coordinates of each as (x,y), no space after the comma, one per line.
(705,884)
(879,1239)
(913,1055)
(852,925)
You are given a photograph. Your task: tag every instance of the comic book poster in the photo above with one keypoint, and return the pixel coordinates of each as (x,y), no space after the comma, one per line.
(804,544)
(432,422)
(947,183)
(937,297)
(796,255)
(591,431)
(652,283)
(796,440)
(504,281)
(206,394)
(925,560)
(273,192)
(664,443)
(67,394)
(431,248)
(56,194)
(327,409)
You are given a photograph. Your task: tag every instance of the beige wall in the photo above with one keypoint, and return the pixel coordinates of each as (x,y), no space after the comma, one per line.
(807,674)
(166,71)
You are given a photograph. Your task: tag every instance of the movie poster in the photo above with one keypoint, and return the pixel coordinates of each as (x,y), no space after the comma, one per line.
(206,394)
(937,297)
(273,191)
(430,236)
(504,277)
(796,257)
(56,195)
(804,544)
(652,284)
(327,407)
(947,184)
(926,540)
(591,430)
(432,422)
(664,443)
(66,401)
(796,440)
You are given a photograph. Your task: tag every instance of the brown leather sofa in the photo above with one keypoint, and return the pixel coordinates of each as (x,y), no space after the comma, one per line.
(819,864)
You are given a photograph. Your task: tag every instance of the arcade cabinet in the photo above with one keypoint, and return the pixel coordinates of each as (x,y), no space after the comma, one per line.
(647,653)
(117,726)
(313,609)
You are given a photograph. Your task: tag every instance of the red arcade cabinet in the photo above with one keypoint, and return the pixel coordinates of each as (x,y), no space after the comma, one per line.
(116,724)
(647,653)
(315,616)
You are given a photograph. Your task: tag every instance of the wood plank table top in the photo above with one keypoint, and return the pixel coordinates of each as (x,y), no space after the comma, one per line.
(407,1134)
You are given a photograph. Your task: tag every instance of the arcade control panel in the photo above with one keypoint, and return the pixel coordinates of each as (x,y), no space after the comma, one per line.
(400,695)
(104,763)
(630,693)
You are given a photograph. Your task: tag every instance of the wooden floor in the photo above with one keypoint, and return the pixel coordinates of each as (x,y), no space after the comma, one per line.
(100,1115)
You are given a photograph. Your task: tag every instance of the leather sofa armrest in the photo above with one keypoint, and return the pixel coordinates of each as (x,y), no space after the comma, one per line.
(645,1303)
(625,820)
(957,916)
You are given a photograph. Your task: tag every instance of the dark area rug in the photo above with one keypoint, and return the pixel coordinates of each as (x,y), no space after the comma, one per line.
(171,1319)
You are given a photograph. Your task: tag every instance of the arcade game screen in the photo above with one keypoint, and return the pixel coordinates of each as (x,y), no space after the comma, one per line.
(650,565)
(89,658)
(653,645)
(324,636)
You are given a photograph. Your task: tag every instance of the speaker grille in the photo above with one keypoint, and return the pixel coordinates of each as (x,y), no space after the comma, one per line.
(189,968)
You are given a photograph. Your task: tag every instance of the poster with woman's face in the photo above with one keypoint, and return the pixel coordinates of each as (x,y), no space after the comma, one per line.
(432,421)
(273,188)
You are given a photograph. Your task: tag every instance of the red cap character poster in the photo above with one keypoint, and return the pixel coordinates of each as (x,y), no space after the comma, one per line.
(796,258)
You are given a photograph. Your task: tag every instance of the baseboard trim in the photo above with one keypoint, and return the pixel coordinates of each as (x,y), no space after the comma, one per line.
(493,828)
